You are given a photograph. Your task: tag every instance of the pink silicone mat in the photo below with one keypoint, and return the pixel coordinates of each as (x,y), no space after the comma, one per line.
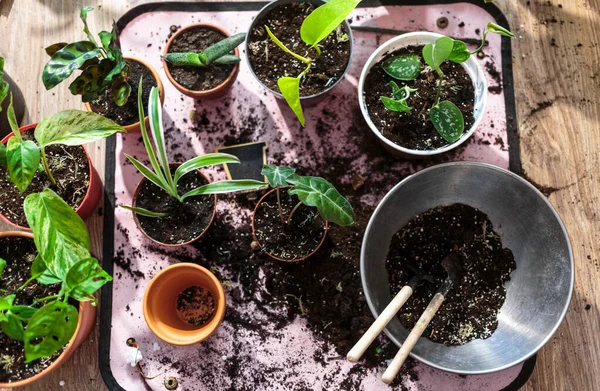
(259,347)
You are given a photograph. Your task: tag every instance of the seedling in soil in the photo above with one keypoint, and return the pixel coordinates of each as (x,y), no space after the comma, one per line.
(103,67)
(315,28)
(398,100)
(3,84)
(217,54)
(446,117)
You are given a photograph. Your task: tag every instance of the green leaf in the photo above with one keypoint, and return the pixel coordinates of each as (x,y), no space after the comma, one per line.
(277,176)
(228,59)
(41,272)
(210,159)
(107,38)
(183,59)
(149,174)
(448,120)
(49,330)
(23,311)
(2,266)
(496,29)
(120,91)
(290,89)
(85,278)
(395,105)
(13,327)
(460,52)
(442,49)
(158,134)
(86,30)
(23,159)
(66,60)
(317,192)
(403,67)
(6,302)
(223,47)
(324,19)
(428,55)
(144,212)
(55,47)
(225,187)
(284,48)
(74,127)
(4,87)
(2,154)
(12,120)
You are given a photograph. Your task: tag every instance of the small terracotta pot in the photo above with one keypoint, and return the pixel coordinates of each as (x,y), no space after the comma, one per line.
(160,303)
(219,90)
(92,196)
(137,222)
(85,324)
(135,128)
(273,256)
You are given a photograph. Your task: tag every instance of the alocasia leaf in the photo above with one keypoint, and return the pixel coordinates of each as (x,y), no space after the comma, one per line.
(460,52)
(323,20)
(448,120)
(86,277)
(3,84)
(66,60)
(277,176)
(23,159)
(290,89)
(403,67)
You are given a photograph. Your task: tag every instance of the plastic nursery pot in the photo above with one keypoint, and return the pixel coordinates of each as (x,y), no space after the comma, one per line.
(18,105)
(135,127)
(139,226)
(92,195)
(219,90)
(160,303)
(310,100)
(422,38)
(273,256)
(87,317)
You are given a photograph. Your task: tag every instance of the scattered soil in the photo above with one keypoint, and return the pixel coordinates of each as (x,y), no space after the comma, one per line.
(287,241)
(184,221)
(196,40)
(70,168)
(196,305)
(415,130)
(270,62)
(471,307)
(128,113)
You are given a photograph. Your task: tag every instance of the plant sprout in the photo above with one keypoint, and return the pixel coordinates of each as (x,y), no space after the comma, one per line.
(217,54)
(399,96)
(3,83)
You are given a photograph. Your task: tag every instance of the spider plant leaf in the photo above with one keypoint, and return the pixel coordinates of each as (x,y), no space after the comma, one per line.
(210,159)
(224,187)
(144,212)
(158,134)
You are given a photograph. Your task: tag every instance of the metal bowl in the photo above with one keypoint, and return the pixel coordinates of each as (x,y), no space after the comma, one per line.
(539,291)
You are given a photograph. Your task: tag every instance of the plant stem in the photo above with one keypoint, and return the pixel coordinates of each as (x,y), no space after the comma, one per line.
(27,283)
(439,90)
(289,220)
(46,298)
(47,168)
(482,42)
(279,205)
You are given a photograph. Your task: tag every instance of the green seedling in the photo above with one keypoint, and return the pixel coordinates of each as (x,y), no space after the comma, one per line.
(218,54)
(398,100)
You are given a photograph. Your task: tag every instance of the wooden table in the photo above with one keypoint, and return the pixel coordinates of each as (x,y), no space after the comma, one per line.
(557,85)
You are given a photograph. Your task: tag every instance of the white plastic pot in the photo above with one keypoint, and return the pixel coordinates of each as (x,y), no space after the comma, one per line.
(418,39)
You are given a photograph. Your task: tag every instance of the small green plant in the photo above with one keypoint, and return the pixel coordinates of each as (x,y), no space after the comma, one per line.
(3,83)
(160,174)
(311,191)
(399,96)
(316,27)
(217,54)
(103,67)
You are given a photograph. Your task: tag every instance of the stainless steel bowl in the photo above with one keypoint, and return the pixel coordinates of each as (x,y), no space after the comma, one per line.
(540,288)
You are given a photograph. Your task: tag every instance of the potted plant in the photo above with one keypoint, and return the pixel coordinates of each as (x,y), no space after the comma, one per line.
(300,71)
(6,85)
(42,275)
(50,155)
(291,226)
(106,75)
(418,110)
(201,60)
(178,195)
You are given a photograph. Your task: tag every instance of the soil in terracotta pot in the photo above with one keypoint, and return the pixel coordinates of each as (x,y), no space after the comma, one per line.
(128,113)
(184,221)
(270,63)
(415,130)
(471,307)
(287,241)
(196,305)
(19,254)
(70,168)
(196,40)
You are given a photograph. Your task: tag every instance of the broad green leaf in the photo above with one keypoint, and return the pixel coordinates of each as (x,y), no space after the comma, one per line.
(49,329)
(144,212)
(290,89)
(284,48)
(428,55)
(228,59)
(460,52)
(85,278)
(441,50)
(183,59)
(210,159)
(55,47)
(6,302)
(224,187)
(403,67)
(494,28)
(324,19)
(60,235)
(448,120)
(12,327)
(158,134)
(2,266)
(23,311)
(317,192)
(277,176)
(23,159)
(66,60)
(223,47)
(2,154)
(74,127)
(120,91)
(3,84)
(41,272)
(395,105)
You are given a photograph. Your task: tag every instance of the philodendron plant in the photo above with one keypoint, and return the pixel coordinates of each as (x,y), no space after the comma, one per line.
(316,27)
(311,191)
(103,67)
(63,244)
(445,115)
(69,127)
(3,84)
(217,54)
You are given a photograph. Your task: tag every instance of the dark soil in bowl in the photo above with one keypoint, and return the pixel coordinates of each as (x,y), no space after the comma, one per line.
(184,221)
(270,63)
(70,168)
(128,113)
(415,130)
(287,241)
(196,40)
(471,307)
(19,254)
(196,306)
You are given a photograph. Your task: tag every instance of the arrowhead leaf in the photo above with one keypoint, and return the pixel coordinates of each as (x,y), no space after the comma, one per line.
(277,176)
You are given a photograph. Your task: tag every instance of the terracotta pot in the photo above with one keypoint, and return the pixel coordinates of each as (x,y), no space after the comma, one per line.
(85,324)
(160,303)
(219,90)
(137,222)
(92,196)
(18,105)
(135,128)
(273,256)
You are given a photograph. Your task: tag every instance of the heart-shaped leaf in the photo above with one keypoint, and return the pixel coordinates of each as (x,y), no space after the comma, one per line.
(448,120)
(49,329)
(324,19)
(460,52)
(23,159)
(403,67)
(290,89)
(277,176)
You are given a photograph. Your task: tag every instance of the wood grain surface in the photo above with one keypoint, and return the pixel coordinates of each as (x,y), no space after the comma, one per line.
(556,59)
